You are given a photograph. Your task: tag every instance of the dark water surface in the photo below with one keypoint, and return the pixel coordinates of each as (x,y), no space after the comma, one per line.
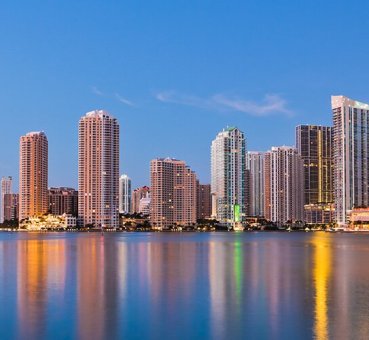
(184,286)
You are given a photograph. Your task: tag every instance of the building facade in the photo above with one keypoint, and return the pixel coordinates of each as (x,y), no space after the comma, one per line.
(283,181)
(228,177)
(319,213)
(351,156)
(315,146)
(137,195)
(98,170)
(203,201)
(359,219)
(11,207)
(145,204)
(33,175)
(6,188)
(125,192)
(173,193)
(63,201)
(255,166)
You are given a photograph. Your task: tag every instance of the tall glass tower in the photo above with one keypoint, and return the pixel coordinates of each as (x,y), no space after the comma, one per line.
(351,156)
(125,194)
(228,177)
(314,145)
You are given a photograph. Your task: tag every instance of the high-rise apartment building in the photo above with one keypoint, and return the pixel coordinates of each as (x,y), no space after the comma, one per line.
(145,204)
(98,170)
(63,201)
(173,193)
(228,177)
(351,156)
(125,192)
(283,169)
(203,201)
(6,188)
(255,166)
(315,146)
(137,195)
(11,207)
(33,175)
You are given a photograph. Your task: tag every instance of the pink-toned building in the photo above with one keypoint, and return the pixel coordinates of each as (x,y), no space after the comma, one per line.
(283,185)
(63,201)
(137,195)
(359,219)
(98,170)
(173,193)
(33,175)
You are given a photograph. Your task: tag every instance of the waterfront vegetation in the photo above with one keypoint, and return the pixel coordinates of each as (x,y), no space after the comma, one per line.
(141,223)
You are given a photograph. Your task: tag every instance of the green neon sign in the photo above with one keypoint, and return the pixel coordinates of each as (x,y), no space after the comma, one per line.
(236,209)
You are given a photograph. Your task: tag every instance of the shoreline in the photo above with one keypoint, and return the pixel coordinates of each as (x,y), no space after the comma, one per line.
(14,230)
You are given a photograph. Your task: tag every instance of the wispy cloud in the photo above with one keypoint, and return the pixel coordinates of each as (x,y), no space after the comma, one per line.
(183,99)
(272,104)
(115,96)
(96,91)
(123,100)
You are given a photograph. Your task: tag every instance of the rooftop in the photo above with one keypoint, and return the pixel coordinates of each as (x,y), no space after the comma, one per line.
(338,101)
(99,113)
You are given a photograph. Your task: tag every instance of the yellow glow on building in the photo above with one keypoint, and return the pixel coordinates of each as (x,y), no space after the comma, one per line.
(320,167)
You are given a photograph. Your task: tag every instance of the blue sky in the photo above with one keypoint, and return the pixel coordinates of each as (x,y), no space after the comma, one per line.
(174,73)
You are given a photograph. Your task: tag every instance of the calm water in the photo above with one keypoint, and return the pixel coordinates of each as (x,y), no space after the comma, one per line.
(184,286)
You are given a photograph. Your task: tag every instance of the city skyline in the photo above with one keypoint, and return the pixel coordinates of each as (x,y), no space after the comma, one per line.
(213,68)
(184,169)
(291,176)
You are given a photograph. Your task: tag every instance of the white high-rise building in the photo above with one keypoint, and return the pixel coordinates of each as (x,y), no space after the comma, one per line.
(283,169)
(255,165)
(228,177)
(6,188)
(351,156)
(125,192)
(98,170)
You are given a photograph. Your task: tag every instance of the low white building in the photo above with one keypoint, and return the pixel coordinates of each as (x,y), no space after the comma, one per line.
(46,222)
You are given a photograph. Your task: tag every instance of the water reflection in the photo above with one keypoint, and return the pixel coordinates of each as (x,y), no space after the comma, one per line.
(40,264)
(218,286)
(321,277)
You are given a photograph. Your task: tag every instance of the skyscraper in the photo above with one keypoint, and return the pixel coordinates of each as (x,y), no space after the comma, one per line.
(351,156)
(228,176)
(11,207)
(63,201)
(255,165)
(203,201)
(125,206)
(283,170)
(314,145)
(173,193)
(98,169)
(33,175)
(6,188)
(137,195)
